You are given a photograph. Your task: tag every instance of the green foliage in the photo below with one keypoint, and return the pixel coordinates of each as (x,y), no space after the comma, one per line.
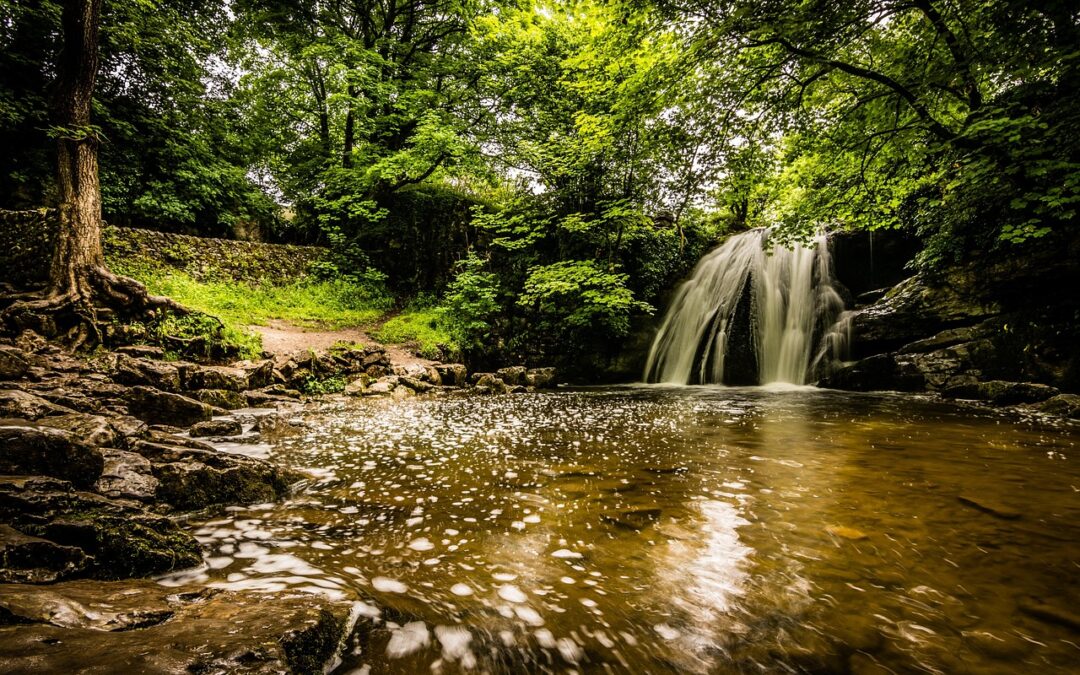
(424,326)
(316,386)
(471,305)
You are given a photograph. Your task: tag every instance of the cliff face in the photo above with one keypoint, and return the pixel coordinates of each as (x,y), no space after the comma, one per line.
(977,330)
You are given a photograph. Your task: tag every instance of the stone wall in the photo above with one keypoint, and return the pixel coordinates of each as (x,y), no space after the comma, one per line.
(26,239)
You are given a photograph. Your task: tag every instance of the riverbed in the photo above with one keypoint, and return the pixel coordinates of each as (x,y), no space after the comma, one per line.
(662,529)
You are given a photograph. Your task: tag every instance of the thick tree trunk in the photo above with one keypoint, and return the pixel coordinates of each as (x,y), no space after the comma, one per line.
(78,251)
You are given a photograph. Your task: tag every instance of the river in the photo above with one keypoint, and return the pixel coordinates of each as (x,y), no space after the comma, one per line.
(654,529)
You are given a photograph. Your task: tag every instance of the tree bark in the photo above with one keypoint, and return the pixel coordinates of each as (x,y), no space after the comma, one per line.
(78,248)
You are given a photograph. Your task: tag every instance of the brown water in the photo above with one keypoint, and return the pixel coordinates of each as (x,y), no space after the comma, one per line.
(658,530)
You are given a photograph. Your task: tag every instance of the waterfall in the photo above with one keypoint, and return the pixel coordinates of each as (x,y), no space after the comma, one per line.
(752,313)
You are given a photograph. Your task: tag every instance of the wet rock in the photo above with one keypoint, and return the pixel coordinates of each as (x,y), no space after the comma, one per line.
(488,383)
(191,479)
(157,374)
(49,452)
(26,559)
(153,405)
(541,378)
(1064,405)
(13,363)
(17,403)
(1001,392)
(92,429)
(357,386)
(217,427)
(119,539)
(415,384)
(221,398)
(127,475)
(512,376)
(139,626)
(989,507)
(452,374)
(402,393)
(880,372)
(379,388)
(214,377)
(142,351)
(273,427)
(259,373)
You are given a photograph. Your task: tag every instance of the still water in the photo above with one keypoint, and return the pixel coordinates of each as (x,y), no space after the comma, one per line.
(676,529)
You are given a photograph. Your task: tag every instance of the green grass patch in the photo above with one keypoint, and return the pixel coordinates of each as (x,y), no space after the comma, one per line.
(424,326)
(329,304)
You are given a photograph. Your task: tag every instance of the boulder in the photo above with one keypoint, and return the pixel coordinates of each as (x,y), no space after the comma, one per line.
(1001,392)
(127,475)
(142,351)
(93,429)
(221,398)
(357,386)
(26,559)
(416,384)
(142,627)
(13,363)
(217,427)
(17,403)
(157,374)
(156,406)
(452,374)
(512,376)
(383,387)
(1063,405)
(488,383)
(541,378)
(189,478)
(26,450)
(119,539)
(215,377)
(273,427)
(259,373)
(881,372)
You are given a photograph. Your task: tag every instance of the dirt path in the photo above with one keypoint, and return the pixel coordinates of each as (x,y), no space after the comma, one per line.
(283,339)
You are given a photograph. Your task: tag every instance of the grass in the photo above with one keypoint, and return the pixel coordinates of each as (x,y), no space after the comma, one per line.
(423,325)
(310,303)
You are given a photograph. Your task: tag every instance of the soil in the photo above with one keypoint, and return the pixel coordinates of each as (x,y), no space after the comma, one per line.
(283,339)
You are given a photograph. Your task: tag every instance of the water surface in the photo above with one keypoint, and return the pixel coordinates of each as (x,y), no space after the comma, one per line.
(676,529)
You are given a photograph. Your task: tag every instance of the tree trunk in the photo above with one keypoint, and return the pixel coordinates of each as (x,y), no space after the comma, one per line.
(78,250)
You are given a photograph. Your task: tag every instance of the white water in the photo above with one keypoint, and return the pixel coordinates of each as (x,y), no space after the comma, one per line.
(792,304)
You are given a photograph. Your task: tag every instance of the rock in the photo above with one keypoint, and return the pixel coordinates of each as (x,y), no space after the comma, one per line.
(127,475)
(217,427)
(273,427)
(1001,392)
(13,363)
(259,373)
(25,559)
(191,479)
(490,383)
(157,374)
(989,507)
(95,430)
(452,374)
(402,393)
(415,384)
(142,627)
(153,405)
(357,386)
(380,388)
(512,376)
(541,378)
(49,452)
(221,398)
(881,372)
(1064,405)
(214,377)
(16,403)
(142,351)
(119,539)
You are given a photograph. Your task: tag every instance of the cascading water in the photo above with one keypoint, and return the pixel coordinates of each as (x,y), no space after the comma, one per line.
(751,313)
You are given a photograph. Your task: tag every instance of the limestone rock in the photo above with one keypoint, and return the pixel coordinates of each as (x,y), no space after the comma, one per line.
(221,398)
(541,378)
(512,376)
(214,377)
(153,405)
(120,539)
(92,429)
(259,373)
(1065,405)
(416,384)
(127,475)
(157,374)
(880,372)
(452,374)
(142,351)
(357,386)
(140,626)
(189,478)
(1001,392)
(217,427)
(26,559)
(26,450)
(16,403)
(13,363)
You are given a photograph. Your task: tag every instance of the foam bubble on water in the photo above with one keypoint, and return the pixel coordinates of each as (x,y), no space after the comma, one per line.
(531,518)
(511,593)
(667,632)
(569,650)
(529,616)
(545,638)
(421,544)
(408,639)
(461,589)
(455,645)
(388,585)
(566,553)
(504,576)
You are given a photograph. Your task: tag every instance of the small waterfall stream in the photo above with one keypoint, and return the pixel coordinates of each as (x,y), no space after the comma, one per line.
(752,312)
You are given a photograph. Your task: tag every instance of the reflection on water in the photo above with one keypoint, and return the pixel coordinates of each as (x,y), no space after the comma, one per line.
(663,529)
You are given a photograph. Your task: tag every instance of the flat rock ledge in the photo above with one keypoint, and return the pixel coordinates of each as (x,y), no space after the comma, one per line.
(140,627)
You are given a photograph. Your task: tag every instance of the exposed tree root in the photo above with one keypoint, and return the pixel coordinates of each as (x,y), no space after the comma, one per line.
(76,314)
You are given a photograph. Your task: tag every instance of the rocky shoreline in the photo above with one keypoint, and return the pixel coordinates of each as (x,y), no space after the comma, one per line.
(102,459)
